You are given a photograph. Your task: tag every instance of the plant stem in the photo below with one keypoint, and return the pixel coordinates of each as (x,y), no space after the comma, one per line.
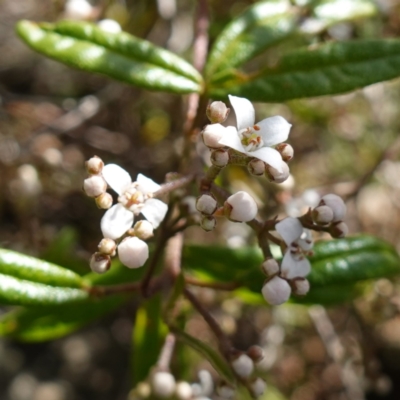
(166,352)
(207,181)
(173,185)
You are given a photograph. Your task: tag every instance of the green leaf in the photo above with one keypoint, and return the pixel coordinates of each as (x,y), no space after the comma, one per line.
(118,55)
(48,323)
(259,27)
(220,365)
(331,68)
(32,269)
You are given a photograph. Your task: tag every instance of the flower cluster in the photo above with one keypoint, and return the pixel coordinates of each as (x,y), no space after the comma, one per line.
(134,198)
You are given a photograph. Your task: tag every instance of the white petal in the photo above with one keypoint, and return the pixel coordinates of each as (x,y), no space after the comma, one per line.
(244,111)
(274,130)
(306,240)
(117,178)
(293,268)
(116,221)
(147,185)
(154,211)
(290,229)
(232,139)
(269,155)
(133,252)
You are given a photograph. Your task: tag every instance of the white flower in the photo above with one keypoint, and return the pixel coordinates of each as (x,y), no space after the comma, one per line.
(299,241)
(255,140)
(134,198)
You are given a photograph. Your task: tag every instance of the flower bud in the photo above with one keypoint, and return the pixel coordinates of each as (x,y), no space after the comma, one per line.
(258,386)
(276,176)
(104,201)
(240,207)
(94,165)
(286,151)
(78,9)
(226,392)
(208,223)
(322,215)
(94,186)
(336,204)
(217,112)
(133,252)
(143,229)
(339,230)
(183,391)
(219,158)
(206,204)
(107,246)
(276,291)
(256,167)
(243,366)
(109,25)
(256,353)
(100,263)
(270,267)
(212,134)
(301,286)
(163,384)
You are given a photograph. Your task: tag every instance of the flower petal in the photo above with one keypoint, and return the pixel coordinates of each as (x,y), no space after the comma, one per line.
(294,268)
(244,111)
(231,139)
(116,177)
(274,130)
(306,240)
(116,221)
(290,229)
(269,155)
(147,185)
(154,211)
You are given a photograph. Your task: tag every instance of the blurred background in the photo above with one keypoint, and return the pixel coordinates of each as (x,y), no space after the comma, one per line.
(53,118)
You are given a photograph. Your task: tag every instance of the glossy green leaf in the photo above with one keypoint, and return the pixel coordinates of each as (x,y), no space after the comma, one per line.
(331,68)
(32,269)
(35,324)
(118,55)
(220,365)
(262,25)
(337,266)
(16,291)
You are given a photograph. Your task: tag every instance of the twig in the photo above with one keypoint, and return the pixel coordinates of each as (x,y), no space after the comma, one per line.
(200,44)
(166,352)
(173,185)
(173,255)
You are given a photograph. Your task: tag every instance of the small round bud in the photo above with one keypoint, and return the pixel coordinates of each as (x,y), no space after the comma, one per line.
(276,291)
(339,230)
(286,151)
(240,207)
(226,392)
(94,165)
(322,215)
(243,366)
(163,384)
(219,158)
(104,201)
(256,167)
(217,112)
(94,186)
(109,25)
(270,267)
(133,252)
(143,230)
(256,353)
(206,204)
(208,223)
(301,286)
(277,176)
(212,134)
(78,9)
(336,204)
(107,246)
(100,263)
(183,391)
(258,386)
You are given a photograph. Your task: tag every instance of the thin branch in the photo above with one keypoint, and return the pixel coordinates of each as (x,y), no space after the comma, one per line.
(173,185)
(200,44)
(166,352)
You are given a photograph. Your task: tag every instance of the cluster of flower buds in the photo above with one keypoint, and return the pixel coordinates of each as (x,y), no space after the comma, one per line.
(330,213)
(120,233)
(240,207)
(259,146)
